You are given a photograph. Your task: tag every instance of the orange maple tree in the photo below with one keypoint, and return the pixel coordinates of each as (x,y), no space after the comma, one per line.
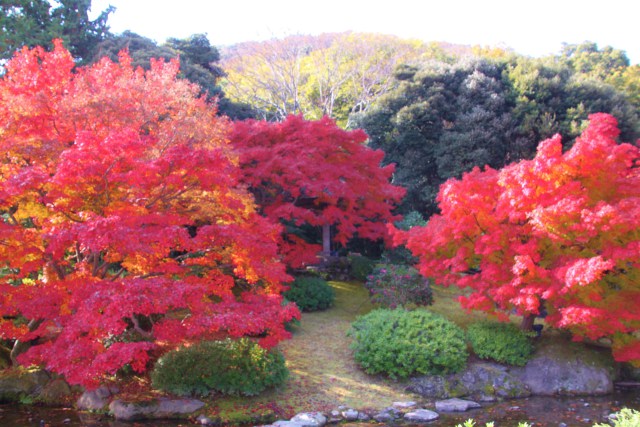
(559,232)
(124,231)
(313,172)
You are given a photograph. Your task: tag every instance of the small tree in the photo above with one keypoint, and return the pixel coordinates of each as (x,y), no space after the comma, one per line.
(124,231)
(560,230)
(313,172)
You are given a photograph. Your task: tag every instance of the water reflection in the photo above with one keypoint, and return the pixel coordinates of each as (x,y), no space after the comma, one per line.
(539,411)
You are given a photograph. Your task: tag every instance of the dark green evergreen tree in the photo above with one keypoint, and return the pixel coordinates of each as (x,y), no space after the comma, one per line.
(37,22)
(443,119)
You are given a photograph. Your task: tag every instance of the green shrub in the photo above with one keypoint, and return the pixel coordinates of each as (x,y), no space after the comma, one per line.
(361,267)
(235,367)
(625,418)
(502,342)
(310,293)
(394,286)
(402,343)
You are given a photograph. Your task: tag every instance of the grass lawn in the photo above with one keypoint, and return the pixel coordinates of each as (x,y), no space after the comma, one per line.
(323,374)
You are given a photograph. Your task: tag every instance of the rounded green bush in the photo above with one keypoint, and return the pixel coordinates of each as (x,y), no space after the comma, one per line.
(402,343)
(502,342)
(234,367)
(310,293)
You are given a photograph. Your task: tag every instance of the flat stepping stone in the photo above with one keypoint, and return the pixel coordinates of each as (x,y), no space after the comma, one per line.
(421,416)
(456,405)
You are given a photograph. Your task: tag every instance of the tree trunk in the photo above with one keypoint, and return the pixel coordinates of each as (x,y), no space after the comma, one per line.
(527,322)
(20,347)
(326,240)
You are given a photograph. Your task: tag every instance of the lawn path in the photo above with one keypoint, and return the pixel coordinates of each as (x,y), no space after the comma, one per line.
(323,372)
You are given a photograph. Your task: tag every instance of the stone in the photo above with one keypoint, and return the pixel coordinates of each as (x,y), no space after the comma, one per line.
(350,414)
(568,369)
(482,380)
(156,409)
(96,400)
(204,420)
(383,417)
(362,416)
(397,413)
(404,405)
(387,414)
(310,419)
(16,384)
(334,417)
(421,416)
(55,392)
(431,386)
(456,405)
(285,423)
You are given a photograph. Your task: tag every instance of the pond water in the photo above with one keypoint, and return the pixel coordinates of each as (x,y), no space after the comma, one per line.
(538,411)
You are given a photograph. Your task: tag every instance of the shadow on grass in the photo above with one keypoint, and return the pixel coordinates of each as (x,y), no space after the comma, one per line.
(323,374)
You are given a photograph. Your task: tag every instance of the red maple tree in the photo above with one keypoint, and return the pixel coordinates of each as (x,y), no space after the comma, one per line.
(124,230)
(559,231)
(315,173)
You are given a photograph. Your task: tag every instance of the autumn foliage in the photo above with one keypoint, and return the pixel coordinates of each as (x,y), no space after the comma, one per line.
(559,231)
(124,231)
(315,173)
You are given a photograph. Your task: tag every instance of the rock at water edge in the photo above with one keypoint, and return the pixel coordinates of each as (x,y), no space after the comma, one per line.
(421,415)
(350,414)
(95,400)
(161,408)
(568,369)
(310,419)
(456,405)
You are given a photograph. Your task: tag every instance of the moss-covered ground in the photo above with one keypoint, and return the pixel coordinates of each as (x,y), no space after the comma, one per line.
(323,374)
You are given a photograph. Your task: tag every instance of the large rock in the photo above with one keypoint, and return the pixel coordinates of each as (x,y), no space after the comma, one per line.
(310,419)
(482,380)
(96,400)
(156,409)
(350,414)
(55,392)
(16,384)
(568,369)
(557,368)
(421,416)
(456,405)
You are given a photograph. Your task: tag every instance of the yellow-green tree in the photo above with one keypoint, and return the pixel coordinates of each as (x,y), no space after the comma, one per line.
(332,75)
